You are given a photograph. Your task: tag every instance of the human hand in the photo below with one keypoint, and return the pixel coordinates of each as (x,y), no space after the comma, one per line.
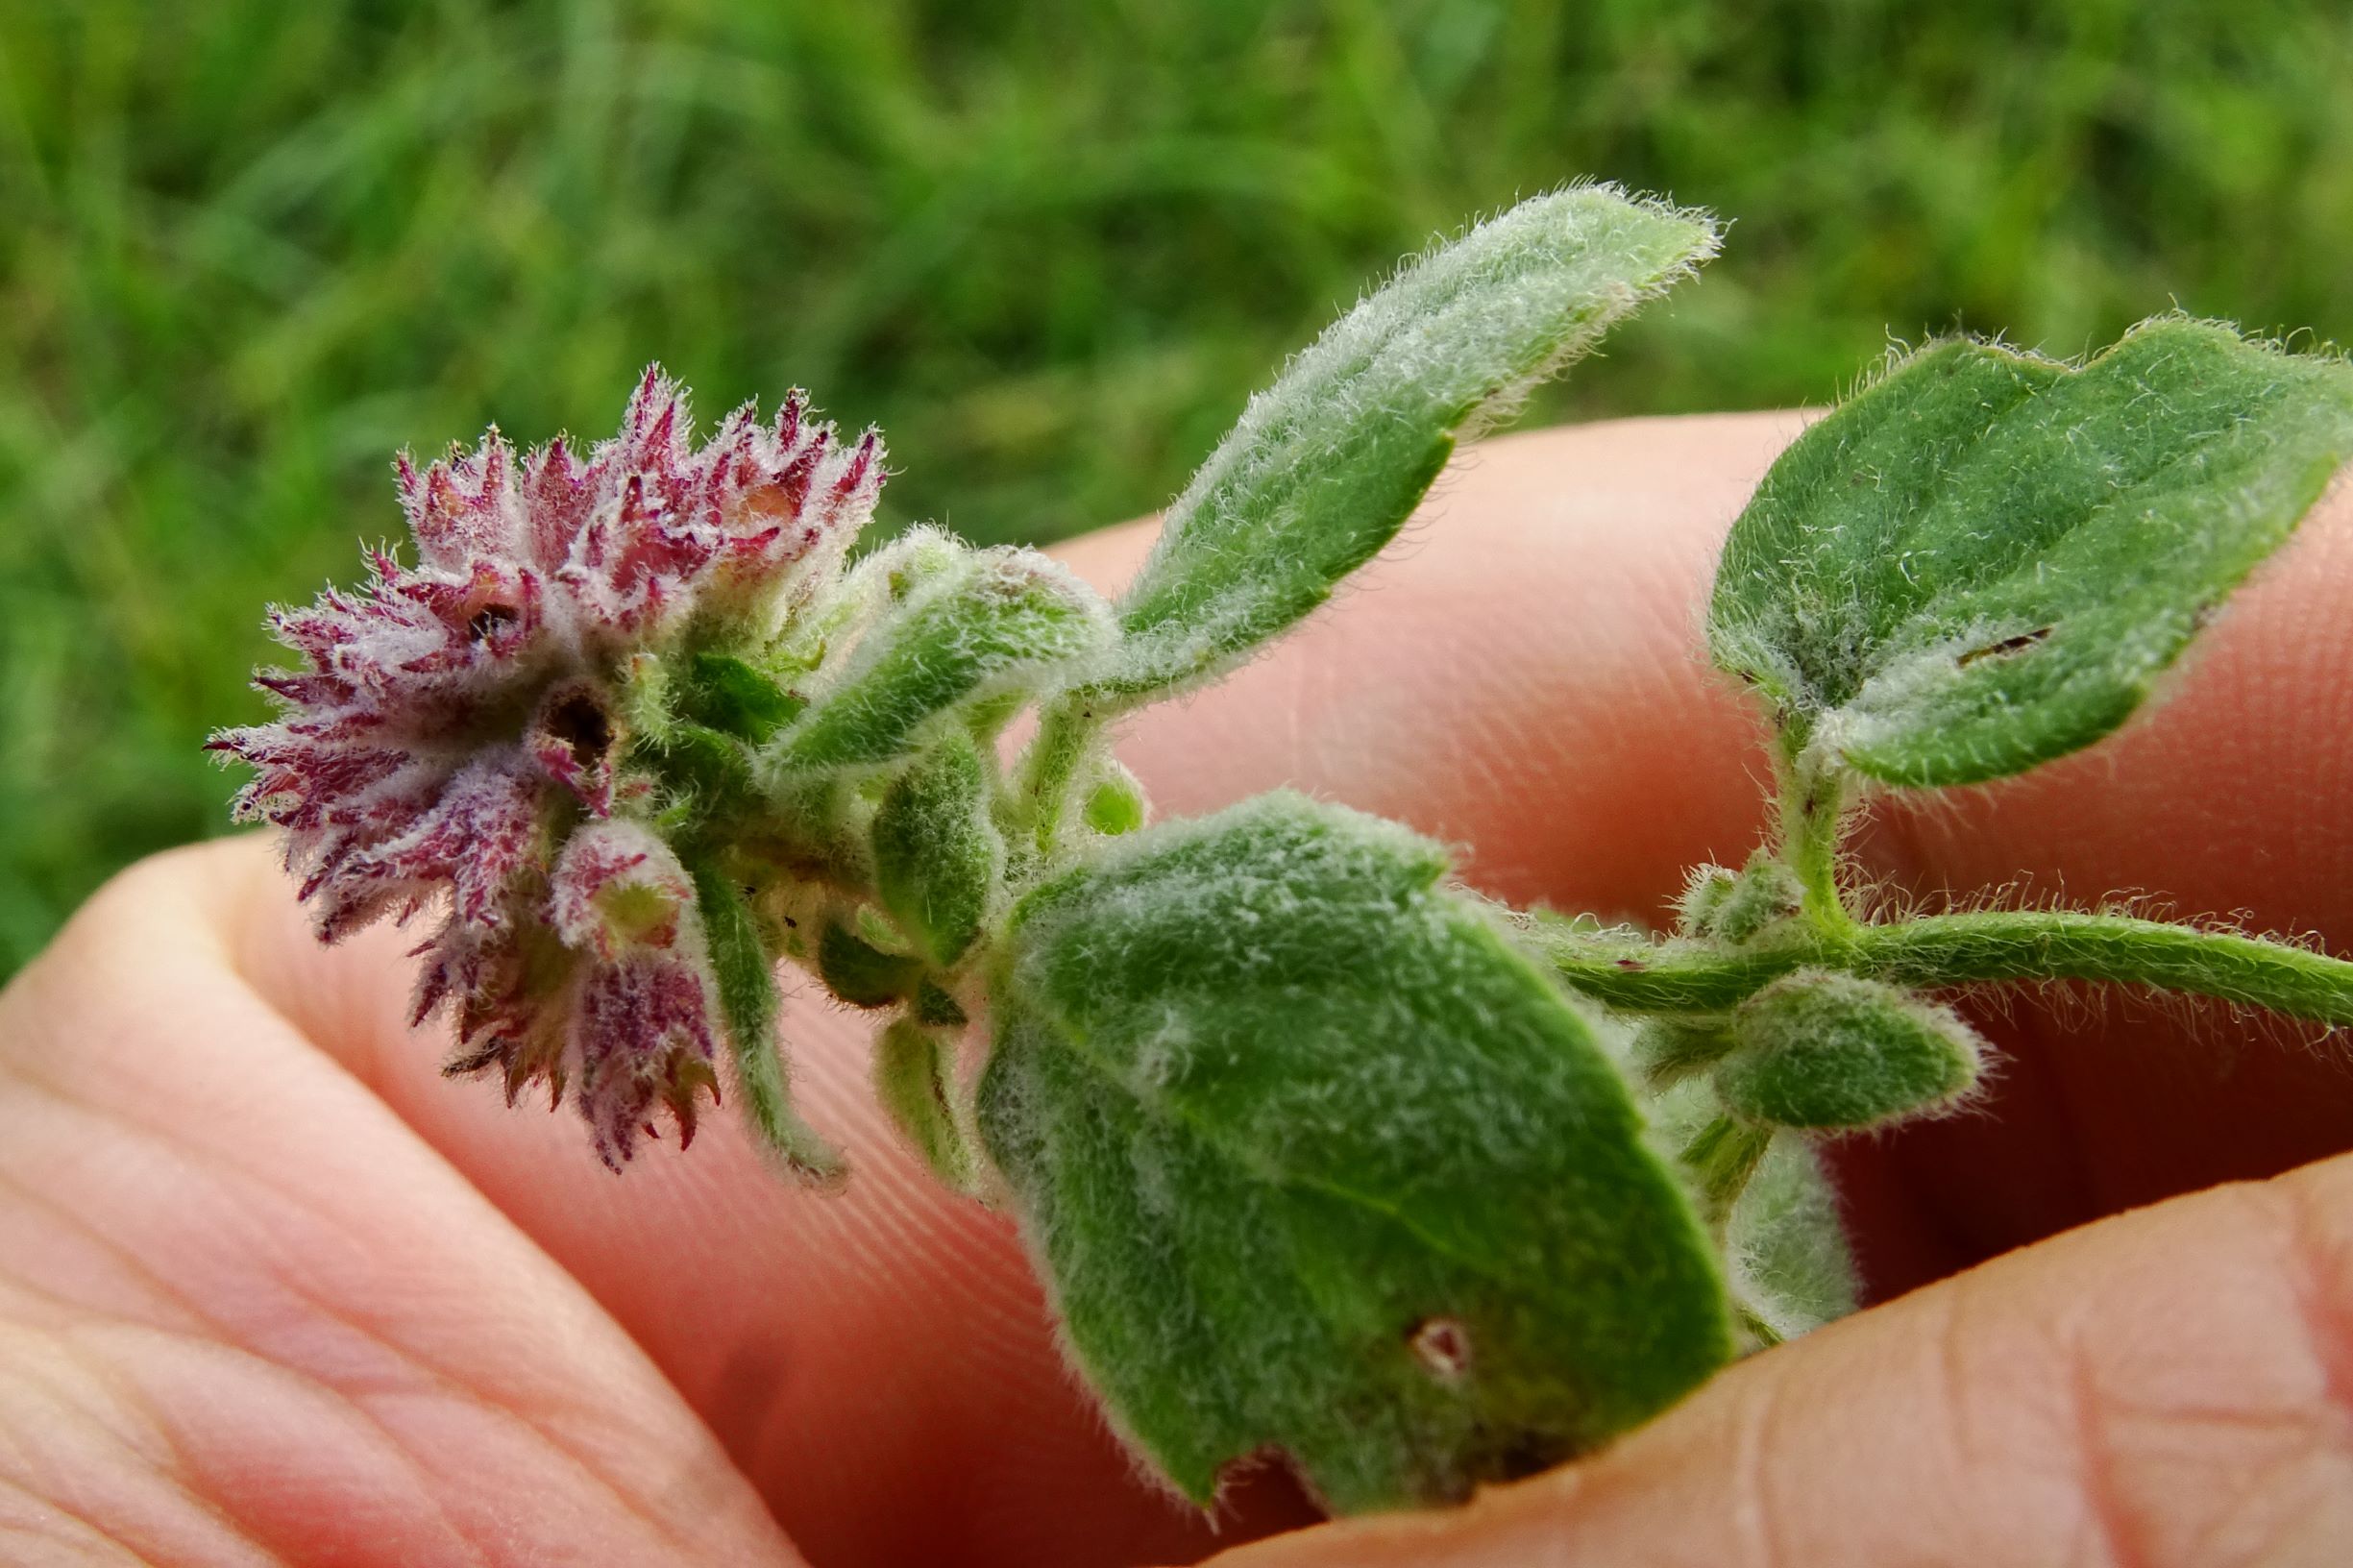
(272,1289)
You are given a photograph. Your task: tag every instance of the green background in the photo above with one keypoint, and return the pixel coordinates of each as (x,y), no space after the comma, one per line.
(248,249)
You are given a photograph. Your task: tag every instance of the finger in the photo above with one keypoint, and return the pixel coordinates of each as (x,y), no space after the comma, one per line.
(2170,1387)
(247,1317)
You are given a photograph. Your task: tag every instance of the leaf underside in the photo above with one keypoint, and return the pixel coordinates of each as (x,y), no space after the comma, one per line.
(1318,1164)
(1983,561)
(1326,464)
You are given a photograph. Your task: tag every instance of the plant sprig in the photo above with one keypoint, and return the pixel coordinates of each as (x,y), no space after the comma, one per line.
(1319,1154)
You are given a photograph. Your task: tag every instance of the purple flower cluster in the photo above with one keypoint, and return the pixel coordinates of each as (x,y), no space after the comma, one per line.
(456,734)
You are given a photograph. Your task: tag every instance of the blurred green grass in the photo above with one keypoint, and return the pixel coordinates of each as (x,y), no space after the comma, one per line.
(248,249)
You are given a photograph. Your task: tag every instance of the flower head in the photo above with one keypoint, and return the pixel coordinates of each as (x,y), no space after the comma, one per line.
(456,732)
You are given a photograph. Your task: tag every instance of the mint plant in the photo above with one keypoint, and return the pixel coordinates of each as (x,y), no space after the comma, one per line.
(1320,1154)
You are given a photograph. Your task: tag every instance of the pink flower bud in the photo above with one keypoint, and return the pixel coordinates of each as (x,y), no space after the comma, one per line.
(453,720)
(640,1024)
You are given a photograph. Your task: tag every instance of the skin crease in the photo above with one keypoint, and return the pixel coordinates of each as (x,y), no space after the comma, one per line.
(272,1291)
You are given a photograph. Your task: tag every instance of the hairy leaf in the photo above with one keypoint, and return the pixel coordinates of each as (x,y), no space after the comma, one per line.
(748,1000)
(862,975)
(935,852)
(1785,1246)
(1983,561)
(912,1079)
(726,693)
(974,626)
(1785,1253)
(1819,1049)
(1326,465)
(1317,1163)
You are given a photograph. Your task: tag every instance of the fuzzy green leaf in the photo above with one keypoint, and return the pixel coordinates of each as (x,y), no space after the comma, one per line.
(1316,1161)
(1983,561)
(974,627)
(1785,1251)
(862,975)
(1326,465)
(935,852)
(729,695)
(1786,1247)
(1823,1049)
(748,1002)
(913,1081)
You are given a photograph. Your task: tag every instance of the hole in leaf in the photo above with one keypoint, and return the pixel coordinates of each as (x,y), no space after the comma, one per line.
(2018,644)
(1443,1347)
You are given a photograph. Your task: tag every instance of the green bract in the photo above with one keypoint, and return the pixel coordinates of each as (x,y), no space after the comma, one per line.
(1982,561)
(1317,1161)
(1823,1049)
(935,853)
(980,623)
(915,1081)
(747,983)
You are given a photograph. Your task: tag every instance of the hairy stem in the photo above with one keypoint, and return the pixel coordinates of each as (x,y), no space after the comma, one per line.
(1814,804)
(1958,950)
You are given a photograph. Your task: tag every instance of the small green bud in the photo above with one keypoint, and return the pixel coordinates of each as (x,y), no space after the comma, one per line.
(1826,1050)
(1704,892)
(1115,805)
(935,852)
(646,695)
(912,559)
(1765,892)
(913,1081)
(862,975)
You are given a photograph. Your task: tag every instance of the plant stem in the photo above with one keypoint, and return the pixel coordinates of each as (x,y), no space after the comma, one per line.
(1958,950)
(1814,801)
